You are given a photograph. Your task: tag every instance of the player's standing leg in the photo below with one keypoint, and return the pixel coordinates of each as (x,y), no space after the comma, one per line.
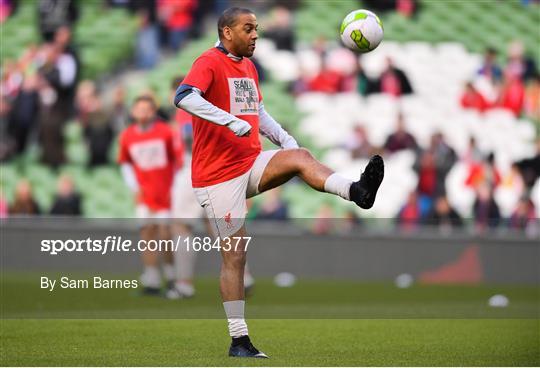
(226,206)
(231,284)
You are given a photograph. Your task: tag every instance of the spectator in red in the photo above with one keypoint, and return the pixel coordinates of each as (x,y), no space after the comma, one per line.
(400,139)
(512,95)
(427,179)
(394,81)
(177,15)
(472,99)
(327,81)
(407,8)
(484,173)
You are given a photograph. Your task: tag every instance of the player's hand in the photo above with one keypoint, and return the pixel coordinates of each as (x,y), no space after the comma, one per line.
(240,128)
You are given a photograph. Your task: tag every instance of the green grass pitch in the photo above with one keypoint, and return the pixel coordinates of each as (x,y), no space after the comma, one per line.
(314,323)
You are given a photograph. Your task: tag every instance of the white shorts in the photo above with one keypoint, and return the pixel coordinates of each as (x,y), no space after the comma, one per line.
(148,216)
(225,203)
(184,203)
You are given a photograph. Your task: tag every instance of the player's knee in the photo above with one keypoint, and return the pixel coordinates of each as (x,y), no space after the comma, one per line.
(303,154)
(302,157)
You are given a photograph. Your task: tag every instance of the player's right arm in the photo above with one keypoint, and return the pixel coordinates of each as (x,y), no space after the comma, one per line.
(128,174)
(189,97)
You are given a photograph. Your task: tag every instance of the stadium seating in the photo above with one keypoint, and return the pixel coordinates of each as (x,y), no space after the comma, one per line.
(442,44)
(433,49)
(434,107)
(101,49)
(474,24)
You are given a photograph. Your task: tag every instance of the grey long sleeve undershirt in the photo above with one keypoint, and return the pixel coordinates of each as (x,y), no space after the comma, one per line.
(196,105)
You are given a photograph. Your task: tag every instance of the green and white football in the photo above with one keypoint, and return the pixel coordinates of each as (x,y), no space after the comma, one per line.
(361,31)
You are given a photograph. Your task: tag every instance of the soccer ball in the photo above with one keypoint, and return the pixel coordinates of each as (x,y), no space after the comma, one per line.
(361,31)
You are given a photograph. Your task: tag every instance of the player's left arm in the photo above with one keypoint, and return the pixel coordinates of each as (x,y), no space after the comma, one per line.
(274,132)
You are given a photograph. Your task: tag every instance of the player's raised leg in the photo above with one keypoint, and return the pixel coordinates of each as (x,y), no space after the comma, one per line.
(286,164)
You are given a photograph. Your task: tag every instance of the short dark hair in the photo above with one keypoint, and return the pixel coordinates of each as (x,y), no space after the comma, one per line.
(228,18)
(145,98)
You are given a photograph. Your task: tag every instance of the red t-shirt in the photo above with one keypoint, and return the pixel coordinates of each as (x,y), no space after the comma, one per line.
(151,152)
(327,81)
(233,86)
(179,14)
(513,96)
(479,175)
(474,100)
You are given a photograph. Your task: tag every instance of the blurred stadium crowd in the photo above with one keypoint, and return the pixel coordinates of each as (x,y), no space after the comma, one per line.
(459,130)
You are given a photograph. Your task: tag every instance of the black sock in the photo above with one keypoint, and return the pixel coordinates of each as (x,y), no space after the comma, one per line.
(242,340)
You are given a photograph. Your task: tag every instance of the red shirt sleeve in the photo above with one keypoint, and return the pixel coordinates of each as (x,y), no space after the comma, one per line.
(201,74)
(123,154)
